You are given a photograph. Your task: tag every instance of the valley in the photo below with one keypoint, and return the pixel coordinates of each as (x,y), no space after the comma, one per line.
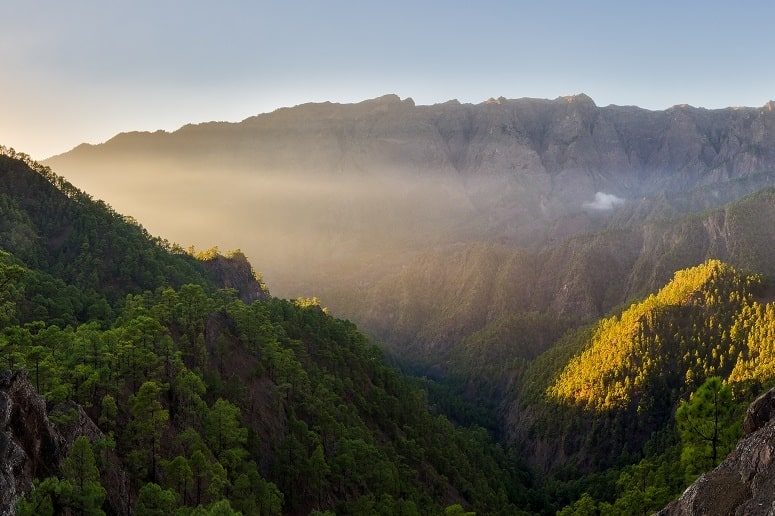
(548,289)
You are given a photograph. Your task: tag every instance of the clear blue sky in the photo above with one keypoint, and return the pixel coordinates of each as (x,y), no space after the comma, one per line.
(74,71)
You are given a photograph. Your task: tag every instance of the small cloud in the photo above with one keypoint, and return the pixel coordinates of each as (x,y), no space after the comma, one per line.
(604,201)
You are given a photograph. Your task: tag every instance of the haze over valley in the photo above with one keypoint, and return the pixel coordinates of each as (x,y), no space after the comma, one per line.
(387,259)
(426,224)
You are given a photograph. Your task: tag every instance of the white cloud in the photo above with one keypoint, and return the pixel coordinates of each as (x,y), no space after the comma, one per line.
(604,201)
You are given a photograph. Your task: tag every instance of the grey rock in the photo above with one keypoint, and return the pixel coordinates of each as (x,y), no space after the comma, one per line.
(743,483)
(235,272)
(32,446)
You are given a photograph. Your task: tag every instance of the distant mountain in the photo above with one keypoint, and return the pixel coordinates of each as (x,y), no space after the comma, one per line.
(326,188)
(447,220)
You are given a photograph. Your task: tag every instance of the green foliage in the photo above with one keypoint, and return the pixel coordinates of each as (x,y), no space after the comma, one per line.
(61,230)
(606,389)
(584,506)
(457,510)
(155,501)
(216,406)
(686,324)
(79,490)
(709,426)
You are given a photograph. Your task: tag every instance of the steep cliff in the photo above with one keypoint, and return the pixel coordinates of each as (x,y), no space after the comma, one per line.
(32,446)
(235,271)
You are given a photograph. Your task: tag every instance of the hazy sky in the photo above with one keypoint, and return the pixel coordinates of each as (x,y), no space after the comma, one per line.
(74,71)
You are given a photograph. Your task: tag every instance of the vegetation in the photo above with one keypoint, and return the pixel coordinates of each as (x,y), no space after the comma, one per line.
(211,405)
(676,371)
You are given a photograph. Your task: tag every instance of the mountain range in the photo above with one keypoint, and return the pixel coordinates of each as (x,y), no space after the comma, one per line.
(585,283)
(446,219)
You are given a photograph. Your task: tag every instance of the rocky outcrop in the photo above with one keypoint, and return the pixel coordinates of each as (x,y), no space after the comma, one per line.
(30,446)
(33,446)
(234,271)
(743,483)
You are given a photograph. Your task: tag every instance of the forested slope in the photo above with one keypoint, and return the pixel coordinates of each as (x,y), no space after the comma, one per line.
(210,404)
(638,386)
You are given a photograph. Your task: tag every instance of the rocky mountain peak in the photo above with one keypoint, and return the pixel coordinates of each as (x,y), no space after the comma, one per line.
(578,99)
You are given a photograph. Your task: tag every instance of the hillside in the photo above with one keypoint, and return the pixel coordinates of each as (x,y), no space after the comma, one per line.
(456,297)
(188,396)
(603,401)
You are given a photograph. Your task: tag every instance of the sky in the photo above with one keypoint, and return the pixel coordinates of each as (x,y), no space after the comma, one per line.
(82,71)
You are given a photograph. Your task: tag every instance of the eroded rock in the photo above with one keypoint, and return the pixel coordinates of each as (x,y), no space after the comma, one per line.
(743,483)
(32,446)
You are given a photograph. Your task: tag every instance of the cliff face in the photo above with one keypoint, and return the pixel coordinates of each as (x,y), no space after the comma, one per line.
(742,484)
(569,141)
(234,271)
(32,446)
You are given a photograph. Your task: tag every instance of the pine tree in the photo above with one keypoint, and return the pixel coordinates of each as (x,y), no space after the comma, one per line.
(708,426)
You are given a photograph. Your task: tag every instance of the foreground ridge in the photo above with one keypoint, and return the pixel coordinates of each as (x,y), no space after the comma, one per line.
(742,483)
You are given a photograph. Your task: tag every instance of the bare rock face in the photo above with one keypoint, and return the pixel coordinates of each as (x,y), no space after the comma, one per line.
(743,483)
(761,412)
(32,446)
(234,271)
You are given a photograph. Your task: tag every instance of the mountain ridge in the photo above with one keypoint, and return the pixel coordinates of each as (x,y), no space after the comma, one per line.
(392,98)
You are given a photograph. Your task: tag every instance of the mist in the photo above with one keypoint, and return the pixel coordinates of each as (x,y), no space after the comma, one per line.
(604,201)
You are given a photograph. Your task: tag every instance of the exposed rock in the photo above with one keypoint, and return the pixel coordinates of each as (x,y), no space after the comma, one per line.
(32,446)
(743,483)
(759,413)
(234,271)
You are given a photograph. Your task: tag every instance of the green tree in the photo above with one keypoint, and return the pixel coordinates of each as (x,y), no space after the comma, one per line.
(149,420)
(457,510)
(179,475)
(155,501)
(45,499)
(223,432)
(35,356)
(318,472)
(708,426)
(108,414)
(80,469)
(584,506)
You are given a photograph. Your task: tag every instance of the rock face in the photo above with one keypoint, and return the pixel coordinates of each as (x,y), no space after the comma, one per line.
(234,271)
(743,483)
(32,446)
